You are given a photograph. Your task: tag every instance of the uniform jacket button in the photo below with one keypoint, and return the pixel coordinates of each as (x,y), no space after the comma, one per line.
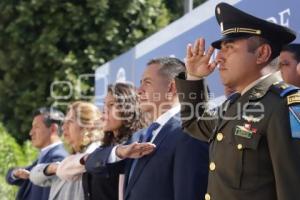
(212,166)
(240,146)
(220,137)
(207,196)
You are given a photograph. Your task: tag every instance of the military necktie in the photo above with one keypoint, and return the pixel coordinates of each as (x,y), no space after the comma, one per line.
(231,99)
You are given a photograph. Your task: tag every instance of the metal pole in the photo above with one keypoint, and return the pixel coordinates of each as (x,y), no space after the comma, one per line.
(188,6)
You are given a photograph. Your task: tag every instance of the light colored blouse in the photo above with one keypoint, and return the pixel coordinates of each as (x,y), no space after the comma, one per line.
(69,188)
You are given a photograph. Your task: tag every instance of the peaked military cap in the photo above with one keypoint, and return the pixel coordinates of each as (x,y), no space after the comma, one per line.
(235,24)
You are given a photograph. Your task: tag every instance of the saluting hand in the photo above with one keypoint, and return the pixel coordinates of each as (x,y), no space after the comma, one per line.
(197,60)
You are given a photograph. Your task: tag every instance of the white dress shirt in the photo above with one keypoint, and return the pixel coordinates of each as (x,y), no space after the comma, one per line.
(46,149)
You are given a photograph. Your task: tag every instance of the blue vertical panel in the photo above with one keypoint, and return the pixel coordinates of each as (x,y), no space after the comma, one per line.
(102,75)
(117,70)
(121,67)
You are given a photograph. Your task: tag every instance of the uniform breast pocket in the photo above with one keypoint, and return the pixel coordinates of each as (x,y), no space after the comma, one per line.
(247,160)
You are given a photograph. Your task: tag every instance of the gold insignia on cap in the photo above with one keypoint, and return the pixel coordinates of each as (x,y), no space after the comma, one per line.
(242,30)
(221,25)
(293,98)
(218,10)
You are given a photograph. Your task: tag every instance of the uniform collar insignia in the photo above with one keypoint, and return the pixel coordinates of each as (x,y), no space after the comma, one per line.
(251,118)
(260,90)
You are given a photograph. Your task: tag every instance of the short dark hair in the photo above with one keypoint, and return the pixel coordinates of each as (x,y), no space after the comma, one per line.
(294,49)
(51,115)
(170,67)
(255,41)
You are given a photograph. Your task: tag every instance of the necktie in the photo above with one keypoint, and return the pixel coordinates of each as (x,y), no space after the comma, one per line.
(149,133)
(230,100)
(233,97)
(144,138)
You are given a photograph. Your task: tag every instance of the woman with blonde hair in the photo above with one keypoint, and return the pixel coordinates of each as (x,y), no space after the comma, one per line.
(82,130)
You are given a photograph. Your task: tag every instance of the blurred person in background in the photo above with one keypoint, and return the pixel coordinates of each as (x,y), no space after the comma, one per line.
(45,132)
(298,68)
(288,60)
(82,130)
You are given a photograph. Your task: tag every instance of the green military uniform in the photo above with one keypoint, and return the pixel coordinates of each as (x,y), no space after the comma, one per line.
(252,153)
(254,141)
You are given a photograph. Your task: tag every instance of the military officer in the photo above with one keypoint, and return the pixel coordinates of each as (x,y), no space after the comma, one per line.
(255,137)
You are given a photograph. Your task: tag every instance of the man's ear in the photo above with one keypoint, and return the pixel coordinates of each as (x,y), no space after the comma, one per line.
(54,129)
(263,54)
(298,68)
(171,89)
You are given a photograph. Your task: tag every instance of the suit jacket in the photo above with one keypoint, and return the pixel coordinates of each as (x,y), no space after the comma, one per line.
(98,187)
(176,170)
(29,191)
(101,180)
(252,152)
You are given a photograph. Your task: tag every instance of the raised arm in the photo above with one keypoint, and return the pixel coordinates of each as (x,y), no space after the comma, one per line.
(192,91)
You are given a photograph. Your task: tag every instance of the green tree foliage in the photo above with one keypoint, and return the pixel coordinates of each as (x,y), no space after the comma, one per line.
(46,41)
(176,7)
(12,154)
(7,192)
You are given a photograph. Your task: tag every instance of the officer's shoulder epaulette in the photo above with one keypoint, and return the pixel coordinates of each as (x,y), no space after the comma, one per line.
(285,90)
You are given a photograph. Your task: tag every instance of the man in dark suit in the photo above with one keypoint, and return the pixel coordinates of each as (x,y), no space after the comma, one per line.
(254,138)
(44,134)
(177,168)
